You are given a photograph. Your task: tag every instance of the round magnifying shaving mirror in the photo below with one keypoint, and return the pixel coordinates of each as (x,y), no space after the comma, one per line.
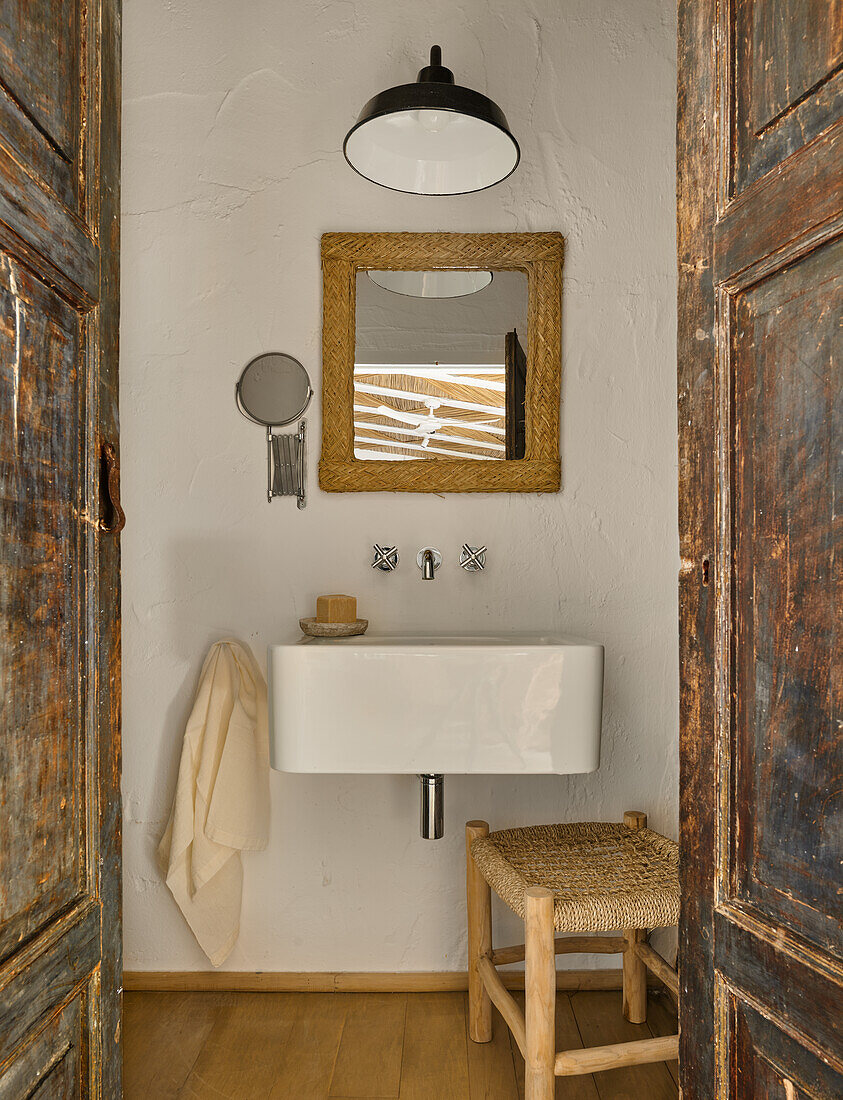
(274,389)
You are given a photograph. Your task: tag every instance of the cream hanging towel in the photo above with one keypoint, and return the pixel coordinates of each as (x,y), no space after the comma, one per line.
(222,797)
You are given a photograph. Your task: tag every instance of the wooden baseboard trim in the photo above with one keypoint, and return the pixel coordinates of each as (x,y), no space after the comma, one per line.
(205,981)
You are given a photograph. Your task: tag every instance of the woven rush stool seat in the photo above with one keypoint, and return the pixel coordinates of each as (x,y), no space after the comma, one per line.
(603,875)
(589,877)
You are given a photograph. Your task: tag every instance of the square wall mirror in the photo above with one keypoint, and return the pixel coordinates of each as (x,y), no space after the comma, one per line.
(441,362)
(440,369)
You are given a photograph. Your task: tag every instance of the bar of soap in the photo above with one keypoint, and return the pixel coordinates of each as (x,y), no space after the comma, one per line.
(336,609)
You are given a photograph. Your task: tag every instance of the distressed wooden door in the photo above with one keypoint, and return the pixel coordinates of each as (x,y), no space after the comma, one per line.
(760,216)
(59,565)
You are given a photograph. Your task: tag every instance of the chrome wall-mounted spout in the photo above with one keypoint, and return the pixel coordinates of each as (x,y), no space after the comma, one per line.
(432,819)
(429,559)
(427,565)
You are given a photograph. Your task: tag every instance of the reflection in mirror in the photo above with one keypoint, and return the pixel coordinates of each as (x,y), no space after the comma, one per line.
(440,376)
(432,284)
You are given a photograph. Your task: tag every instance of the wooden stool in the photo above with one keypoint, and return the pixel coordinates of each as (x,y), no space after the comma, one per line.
(587,877)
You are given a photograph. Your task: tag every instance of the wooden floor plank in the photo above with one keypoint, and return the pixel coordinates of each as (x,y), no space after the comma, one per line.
(243,1053)
(567,1038)
(517,1058)
(491,1069)
(236,1046)
(163,1034)
(600,1021)
(311,1051)
(369,1058)
(662,1020)
(435,1060)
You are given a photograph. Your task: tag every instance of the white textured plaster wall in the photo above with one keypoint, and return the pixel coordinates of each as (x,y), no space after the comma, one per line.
(234,116)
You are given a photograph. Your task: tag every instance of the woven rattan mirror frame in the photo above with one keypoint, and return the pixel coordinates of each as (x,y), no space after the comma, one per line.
(539,256)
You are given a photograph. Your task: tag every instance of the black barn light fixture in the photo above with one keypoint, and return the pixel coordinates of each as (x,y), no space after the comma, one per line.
(432,137)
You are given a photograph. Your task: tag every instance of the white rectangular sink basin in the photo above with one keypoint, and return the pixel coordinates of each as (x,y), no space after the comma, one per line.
(519,704)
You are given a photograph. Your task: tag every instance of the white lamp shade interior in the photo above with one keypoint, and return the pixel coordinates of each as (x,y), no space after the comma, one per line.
(431,152)
(432,284)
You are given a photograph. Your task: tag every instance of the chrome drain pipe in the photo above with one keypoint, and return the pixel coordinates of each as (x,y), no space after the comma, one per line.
(432,820)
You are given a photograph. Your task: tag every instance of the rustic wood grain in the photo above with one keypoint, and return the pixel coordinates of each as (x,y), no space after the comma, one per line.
(570,1063)
(42,763)
(48,971)
(491,1066)
(163,1034)
(369,1057)
(435,1054)
(787,594)
(245,1048)
(105,626)
(478,904)
(696,196)
(540,993)
(348,981)
(567,1038)
(661,1020)
(56,243)
(39,98)
(786,80)
(564,945)
(798,985)
(760,212)
(59,576)
(504,1002)
(767,209)
(50,1057)
(322,1050)
(307,1065)
(767,1062)
(597,1027)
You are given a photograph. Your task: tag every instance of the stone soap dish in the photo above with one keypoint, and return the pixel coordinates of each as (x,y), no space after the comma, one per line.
(315,629)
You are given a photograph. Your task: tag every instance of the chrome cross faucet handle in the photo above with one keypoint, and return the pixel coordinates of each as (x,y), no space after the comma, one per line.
(473,558)
(429,559)
(386,558)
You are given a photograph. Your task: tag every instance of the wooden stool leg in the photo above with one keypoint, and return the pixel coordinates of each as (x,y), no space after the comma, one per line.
(540,994)
(634,970)
(479,904)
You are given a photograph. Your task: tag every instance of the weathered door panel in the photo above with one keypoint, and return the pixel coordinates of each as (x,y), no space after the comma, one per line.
(797,987)
(59,570)
(768,1064)
(760,193)
(42,91)
(787,592)
(53,1061)
(43,758)
(786,81)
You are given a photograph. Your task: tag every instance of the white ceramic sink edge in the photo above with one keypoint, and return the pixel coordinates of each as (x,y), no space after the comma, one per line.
(450,704)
